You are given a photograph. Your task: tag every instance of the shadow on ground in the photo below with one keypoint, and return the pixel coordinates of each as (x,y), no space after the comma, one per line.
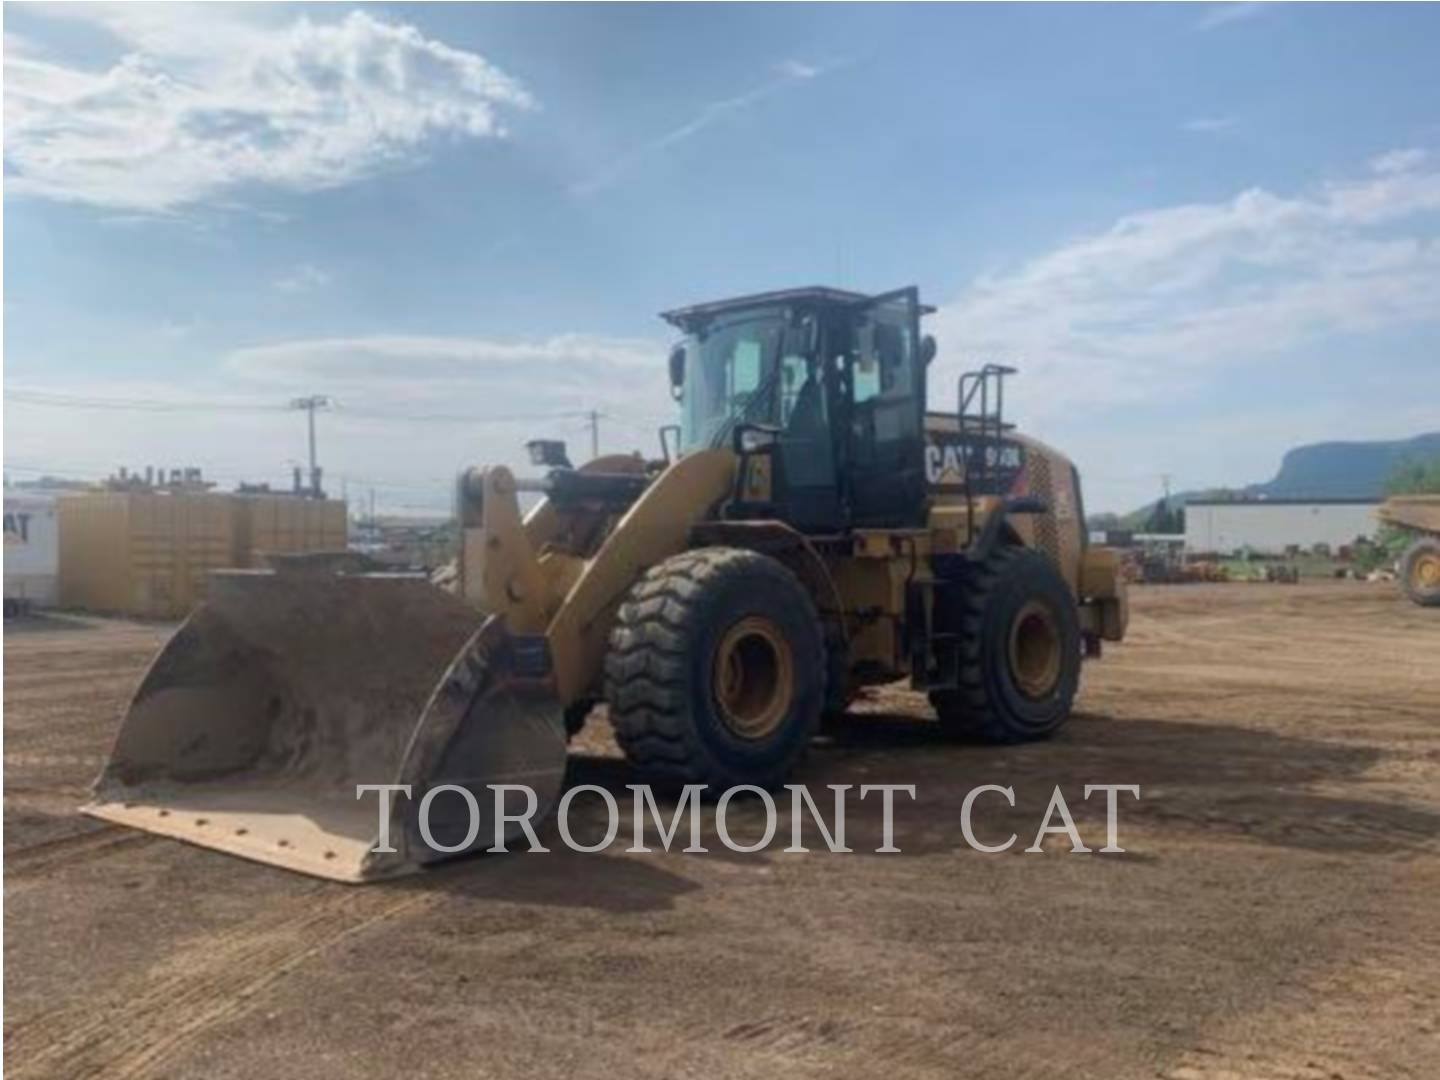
(1213,778)
(562,878)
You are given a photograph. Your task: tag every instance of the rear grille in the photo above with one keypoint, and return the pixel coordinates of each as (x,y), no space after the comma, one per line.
(1047,536)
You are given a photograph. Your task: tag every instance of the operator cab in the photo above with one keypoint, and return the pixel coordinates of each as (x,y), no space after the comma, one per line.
(822,394)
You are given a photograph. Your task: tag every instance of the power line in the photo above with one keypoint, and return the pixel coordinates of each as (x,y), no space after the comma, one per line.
(440,487)
(637,425)
(364,413)
(51,399)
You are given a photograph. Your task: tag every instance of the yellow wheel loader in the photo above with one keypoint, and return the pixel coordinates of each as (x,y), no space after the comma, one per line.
(811,529)
(1419,569)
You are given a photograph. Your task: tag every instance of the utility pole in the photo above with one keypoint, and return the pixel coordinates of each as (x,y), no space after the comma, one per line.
(310,404)
(594,434)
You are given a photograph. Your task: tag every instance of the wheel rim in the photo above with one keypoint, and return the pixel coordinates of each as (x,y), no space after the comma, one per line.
(1035,650)
(1425,574)
(754,677)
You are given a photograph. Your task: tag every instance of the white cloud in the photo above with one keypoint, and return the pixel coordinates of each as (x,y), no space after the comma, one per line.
(1115,332)
(409,411)
(788,73)
(207,99)
(1217,15)
(1400,161)
(1162,300)
(1209,124)
(1128,324)
(303,278)
(797,69)
(564,373)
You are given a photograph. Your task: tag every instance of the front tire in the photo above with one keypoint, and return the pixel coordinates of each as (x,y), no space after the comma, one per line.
(716,670)
(1020,651)
(1420,571)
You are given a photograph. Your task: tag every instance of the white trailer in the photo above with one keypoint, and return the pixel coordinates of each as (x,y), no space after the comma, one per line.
(32,551)
(1273,526)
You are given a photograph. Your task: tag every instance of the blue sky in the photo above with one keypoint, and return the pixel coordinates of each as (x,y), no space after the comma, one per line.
(1205,233)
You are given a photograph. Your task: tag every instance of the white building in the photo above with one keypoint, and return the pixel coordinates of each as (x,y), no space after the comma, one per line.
(1270,526)
(32,549)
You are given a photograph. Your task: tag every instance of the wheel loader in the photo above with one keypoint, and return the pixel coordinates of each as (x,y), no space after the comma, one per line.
(809,529)
(1419,517)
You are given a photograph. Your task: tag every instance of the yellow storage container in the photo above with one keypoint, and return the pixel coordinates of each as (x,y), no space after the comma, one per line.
(147,554)
(140,553)
(280,524)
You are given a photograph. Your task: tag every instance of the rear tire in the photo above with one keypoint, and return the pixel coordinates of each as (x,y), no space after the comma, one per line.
(1020,651)
(1420,571)
(716,670)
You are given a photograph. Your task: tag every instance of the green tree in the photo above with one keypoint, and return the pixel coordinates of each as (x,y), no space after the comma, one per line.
(1165,518)
(1415,477)
(1103,521)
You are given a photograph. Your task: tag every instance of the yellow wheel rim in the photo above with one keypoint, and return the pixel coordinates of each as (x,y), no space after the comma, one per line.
(754,677)
(1035,650)
(1425,573)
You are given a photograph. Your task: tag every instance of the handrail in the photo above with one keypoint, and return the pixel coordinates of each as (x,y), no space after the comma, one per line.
(989,427)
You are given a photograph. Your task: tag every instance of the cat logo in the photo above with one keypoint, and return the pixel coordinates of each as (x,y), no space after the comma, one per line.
(944,465)
(945,461)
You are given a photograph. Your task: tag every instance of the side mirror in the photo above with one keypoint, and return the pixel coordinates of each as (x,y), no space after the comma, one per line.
(677,369)
(548,453)
(928,349)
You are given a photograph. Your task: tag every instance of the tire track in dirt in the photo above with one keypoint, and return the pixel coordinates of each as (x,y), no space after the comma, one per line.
(791,1035)
(1332,1037)
(91,762)
(144,1021)
(118,691)
(896,1046)
(1261,1067)
(31,675)
(37,860)
(59,797)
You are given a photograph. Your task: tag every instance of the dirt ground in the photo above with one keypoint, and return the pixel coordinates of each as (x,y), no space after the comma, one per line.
(1276,914)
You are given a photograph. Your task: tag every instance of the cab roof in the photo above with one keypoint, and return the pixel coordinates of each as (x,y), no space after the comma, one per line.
(686,317)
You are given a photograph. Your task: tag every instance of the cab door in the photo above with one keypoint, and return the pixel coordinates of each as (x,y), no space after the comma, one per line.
(883,396)
(811,498)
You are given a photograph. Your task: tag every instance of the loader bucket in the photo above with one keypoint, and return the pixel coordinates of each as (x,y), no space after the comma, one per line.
(288,688)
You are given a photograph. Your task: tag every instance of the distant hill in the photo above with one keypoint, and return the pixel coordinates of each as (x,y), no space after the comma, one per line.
(1328,470)
(1344,470)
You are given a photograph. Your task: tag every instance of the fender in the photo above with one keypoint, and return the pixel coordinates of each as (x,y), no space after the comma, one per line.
(789,546)
(657,526)
(996,523)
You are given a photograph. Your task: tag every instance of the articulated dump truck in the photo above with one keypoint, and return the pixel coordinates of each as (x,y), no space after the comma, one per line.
(1419,567)
(810,530)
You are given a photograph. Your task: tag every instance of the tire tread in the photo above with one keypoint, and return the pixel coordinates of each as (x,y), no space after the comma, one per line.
(968,710)
(648,656)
